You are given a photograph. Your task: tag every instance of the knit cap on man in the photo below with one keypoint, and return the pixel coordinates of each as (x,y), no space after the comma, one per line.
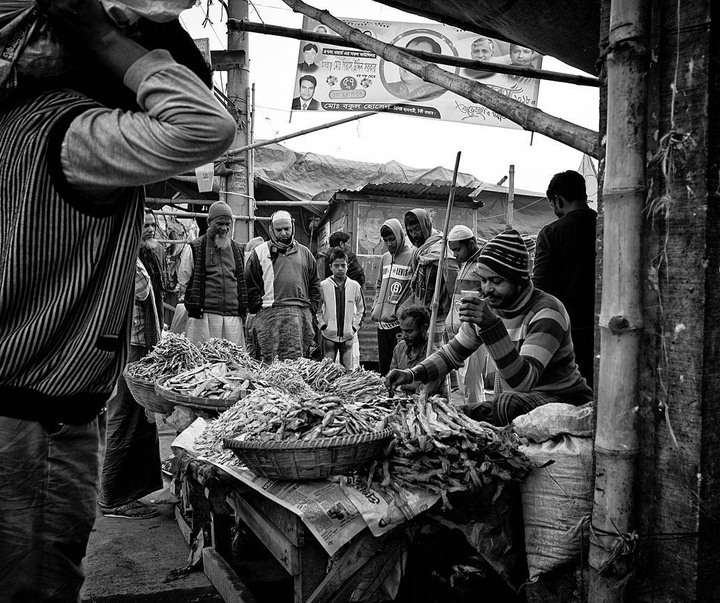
(217,209)
(506,255)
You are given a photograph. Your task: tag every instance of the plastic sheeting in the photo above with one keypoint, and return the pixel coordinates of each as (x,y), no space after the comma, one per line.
(566,29)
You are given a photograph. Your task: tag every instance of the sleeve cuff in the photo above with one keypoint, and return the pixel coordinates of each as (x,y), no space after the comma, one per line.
(419,373)
(494,333)
(144,67)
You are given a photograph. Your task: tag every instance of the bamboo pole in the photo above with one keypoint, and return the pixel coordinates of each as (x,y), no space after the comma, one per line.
(257,145)
(621,317)
(530,118)
(511,198)
(441,59)
(441,260)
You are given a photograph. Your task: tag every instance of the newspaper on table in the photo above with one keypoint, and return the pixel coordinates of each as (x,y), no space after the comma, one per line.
(334,511)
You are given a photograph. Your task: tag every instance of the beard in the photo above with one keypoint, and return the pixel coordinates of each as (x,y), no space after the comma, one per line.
(149,243)
(222,241)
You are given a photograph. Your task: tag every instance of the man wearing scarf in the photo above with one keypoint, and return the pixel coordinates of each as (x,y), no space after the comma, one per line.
(527,334)
(283,292)
(426,256)
(212,277)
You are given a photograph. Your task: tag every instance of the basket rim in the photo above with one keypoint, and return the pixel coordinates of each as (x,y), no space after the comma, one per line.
(349,440)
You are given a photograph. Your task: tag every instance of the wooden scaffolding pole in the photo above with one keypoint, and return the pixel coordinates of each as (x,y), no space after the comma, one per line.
(530,118)
(612,536)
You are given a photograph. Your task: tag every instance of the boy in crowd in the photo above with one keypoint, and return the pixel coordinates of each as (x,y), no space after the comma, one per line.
(341,310)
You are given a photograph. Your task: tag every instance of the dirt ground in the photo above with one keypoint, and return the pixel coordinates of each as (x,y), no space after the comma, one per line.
(140,560)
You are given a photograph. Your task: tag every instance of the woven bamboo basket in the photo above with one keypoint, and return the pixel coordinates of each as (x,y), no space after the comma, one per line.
(144,392)
(172,397)
(310,459)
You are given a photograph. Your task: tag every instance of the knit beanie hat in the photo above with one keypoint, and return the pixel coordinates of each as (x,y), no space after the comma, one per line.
(217,209)
(506,255)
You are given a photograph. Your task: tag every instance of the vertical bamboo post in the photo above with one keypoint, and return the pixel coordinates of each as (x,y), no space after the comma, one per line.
(621,318)
(441,260)
(510,218)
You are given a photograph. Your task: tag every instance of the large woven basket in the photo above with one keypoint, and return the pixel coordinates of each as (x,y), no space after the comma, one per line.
(310,459)
(172,397)
(144,392)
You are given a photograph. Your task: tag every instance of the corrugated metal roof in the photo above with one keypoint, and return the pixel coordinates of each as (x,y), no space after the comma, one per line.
(414,190)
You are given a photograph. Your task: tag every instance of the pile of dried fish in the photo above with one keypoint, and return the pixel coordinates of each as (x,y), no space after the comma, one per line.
(173,354)
(269,415)
(441,449)
(360,386)
(213,380)
(284,376)
(222,350)
(317,374)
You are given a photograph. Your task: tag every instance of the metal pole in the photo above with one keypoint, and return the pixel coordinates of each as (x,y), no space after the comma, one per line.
(238,83)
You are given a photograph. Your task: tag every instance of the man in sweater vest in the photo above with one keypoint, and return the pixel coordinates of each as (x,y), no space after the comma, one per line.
(527,334)
(212,278)
(76,150)
(341,311)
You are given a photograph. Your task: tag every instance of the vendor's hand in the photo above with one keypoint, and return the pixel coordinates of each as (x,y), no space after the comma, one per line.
(396,377)
(476,311)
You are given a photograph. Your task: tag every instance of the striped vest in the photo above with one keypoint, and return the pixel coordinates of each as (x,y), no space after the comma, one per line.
(66,271)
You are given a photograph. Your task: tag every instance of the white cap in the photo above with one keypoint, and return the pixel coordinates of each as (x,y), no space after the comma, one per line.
(460,233)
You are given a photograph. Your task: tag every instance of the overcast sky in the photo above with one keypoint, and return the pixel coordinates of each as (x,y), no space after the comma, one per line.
(487,152)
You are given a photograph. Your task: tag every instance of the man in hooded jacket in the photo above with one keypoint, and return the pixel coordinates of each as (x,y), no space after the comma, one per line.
(428,243)
(391,287)
(283,292)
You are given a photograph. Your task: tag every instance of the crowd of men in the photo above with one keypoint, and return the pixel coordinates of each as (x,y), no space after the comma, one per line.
(513,319)
(134,106)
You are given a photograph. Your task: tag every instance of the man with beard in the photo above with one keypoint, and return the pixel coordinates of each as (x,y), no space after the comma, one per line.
(75,153)
(463,244)
(426,256)
(212,279)
(411,348)
(283,292)
(527,334)
(152,256)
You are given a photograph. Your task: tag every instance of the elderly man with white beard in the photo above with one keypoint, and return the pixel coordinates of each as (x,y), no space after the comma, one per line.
(212,280)
(152,256)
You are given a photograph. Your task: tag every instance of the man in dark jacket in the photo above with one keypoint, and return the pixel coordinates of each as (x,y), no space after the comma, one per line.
(565,262)
(212,278)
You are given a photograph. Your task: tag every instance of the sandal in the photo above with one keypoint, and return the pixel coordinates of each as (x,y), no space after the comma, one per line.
(131,510)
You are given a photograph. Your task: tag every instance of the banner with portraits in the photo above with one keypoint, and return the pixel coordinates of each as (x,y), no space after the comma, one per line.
(338,78)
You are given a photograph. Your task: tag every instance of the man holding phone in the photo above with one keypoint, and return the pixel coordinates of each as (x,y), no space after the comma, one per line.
(527,334)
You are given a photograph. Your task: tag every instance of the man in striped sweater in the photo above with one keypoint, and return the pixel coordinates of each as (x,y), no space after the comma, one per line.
(74,156)
(527,334)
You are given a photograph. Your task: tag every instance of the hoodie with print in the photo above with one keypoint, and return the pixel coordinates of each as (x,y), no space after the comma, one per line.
(393,280)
